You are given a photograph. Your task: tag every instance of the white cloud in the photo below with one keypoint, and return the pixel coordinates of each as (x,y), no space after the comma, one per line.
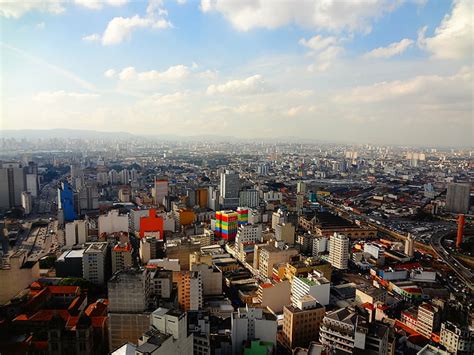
(121,28)
(453,38)
(92,38)
(332,15)
(98,4)
(324,49)
(110,73)
(432,88)
(208,74)
(173,73)
(57,96)
(16,9)
(295,111)
(251,85)
(40,26)
(391,50)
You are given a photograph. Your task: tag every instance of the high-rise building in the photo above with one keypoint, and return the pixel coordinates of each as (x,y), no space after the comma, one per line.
(301,187)
(66,202)
(458,198)
(270,255)
(113,177)
(26,202)
(152,225)
(301,322)
(343,330)
(94,263)
(249,198)
(88,197)
(129,295)
(148,249)
(211,279)
(339,251)
(76,232)
(410,246)
(428,319)
(124,177)
(243,215)
(457,339)
(315,285)
(229,189)
(12,184)
(113,222)
(121,257)
(161,190)
(189,290)
(32,184)
(285,232)
(226,224)
(250,324)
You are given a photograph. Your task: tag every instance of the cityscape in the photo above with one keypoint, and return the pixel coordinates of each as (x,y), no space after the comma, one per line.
(236,205)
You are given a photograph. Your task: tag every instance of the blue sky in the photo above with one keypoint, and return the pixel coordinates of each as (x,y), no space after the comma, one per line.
(369,71)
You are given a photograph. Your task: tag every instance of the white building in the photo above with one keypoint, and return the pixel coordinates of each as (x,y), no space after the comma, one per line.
(167,264)
(339,251)
(315,285)
(113,222)
(26,202)
(93,263)
(250,324)
(249,198)
(76,232)
(320,245)
(457,340)
(211,279)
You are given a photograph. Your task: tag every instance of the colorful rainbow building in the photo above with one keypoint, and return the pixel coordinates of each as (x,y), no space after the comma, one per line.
(243,214)
(227,224)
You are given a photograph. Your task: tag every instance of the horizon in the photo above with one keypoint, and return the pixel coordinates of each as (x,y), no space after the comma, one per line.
(372,73)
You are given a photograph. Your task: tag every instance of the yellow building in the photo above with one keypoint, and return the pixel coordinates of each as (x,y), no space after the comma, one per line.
(303,267)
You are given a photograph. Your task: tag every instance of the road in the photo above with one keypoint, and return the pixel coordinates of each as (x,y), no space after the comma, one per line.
(463,272)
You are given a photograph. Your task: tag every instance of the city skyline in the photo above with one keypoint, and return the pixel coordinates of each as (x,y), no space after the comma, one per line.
(376,72)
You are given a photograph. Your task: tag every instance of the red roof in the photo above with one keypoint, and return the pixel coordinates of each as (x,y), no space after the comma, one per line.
(96,309)
(127,247)
(266,285)
(368,305)
(63,289)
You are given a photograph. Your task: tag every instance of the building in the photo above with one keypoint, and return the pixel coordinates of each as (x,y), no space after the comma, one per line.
(315,285)
(12,184)
(26,202)
(161,283)
(229,189)
(285,232)
(308,265)
(161,190)
(431,350)
(69,263)
(148,249)
(370,294)
(458,198)
(190,290)
(88,197)
(270,255)
(242,215)
(249,198)
(410,246)
(151,225)
(250,324)
(428,319)
(211,279)
(320,245)
(339,251)
(113,222)
(66,201)
(168,334)
(226,225)
(16,273)
(124,193)
(121,257)
(457,339)
(94,263)
(129,294)
(274,295)
(301,187)
(301,322)
(76,232)
(343,330)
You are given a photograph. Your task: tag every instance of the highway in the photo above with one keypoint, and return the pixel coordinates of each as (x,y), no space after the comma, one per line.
(463,272)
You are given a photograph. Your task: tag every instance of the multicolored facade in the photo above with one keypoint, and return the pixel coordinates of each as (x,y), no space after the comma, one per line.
(243,215)
(227,224)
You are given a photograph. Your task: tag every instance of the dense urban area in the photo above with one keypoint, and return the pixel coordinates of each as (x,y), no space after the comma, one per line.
(145,246)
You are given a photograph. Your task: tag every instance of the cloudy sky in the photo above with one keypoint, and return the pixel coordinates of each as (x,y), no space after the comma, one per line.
(375,71)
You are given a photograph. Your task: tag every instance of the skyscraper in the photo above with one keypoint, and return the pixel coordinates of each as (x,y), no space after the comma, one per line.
(457,198)
(229,189)
(339,251)
(12,184)
(161,189)
(66,201)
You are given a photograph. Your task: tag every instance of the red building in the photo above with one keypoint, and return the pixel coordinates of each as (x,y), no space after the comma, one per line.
(151,225)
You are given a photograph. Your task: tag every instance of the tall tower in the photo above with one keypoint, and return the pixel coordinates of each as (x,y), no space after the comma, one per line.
(229,189)
(460,231)
(410,246)
(339,251)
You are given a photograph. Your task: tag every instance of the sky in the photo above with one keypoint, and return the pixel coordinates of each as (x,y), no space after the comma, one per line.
(366,71)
